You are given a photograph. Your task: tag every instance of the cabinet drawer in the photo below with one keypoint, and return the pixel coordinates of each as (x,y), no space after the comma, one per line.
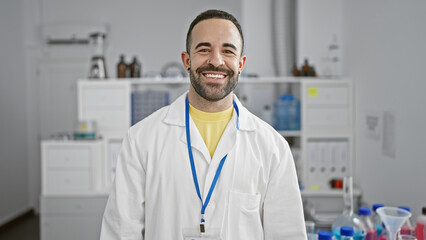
(327,117)
(73,205)
(105,98)
(68,182)
(70,157)
(327,95)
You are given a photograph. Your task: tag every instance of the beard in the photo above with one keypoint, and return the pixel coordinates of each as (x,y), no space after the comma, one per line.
(210,91)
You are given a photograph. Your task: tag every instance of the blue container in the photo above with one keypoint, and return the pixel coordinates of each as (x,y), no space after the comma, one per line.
(287,113)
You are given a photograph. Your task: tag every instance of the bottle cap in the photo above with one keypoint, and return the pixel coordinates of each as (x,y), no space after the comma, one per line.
(405,208)
(287,97)
(364,211)
(377,205)
(325,235)
(346,231)
(424,210)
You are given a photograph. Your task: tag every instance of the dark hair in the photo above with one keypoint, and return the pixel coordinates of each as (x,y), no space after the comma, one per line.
(209,14)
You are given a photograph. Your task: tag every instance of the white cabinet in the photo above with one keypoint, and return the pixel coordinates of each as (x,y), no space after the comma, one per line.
(72,198)
(71,167)
(107,102)
(71,217)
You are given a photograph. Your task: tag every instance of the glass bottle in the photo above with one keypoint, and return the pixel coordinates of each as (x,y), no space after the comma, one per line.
(346,233)
(121,68)
(376,218)
(325,235)
(135,68)
(408,227)
(348,217)
(365,215)
(420,225)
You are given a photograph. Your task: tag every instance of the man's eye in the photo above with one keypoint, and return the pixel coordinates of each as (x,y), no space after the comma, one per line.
(203,50)
(228,52)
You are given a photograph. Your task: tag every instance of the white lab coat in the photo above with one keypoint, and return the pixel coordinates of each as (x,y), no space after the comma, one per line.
(154,197)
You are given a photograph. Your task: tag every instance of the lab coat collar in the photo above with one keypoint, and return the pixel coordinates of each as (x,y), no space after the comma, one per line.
(176,114)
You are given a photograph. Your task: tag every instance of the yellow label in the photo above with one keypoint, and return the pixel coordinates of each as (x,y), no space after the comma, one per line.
(314,187)
(312,91)
(83,127)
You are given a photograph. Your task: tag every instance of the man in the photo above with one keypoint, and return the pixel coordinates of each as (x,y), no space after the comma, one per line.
(205,166)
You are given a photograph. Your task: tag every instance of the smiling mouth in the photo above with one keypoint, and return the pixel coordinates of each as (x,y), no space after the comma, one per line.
(214,75)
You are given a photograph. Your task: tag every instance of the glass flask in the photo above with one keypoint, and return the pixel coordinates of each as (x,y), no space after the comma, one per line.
(348,217)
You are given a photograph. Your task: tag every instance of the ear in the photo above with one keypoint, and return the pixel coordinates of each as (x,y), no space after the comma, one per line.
(242,63)
(185,60)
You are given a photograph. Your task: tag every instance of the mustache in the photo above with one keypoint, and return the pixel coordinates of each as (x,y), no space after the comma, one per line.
(216,69)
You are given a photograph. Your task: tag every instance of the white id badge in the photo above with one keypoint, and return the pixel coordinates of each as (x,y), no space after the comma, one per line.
(194,234)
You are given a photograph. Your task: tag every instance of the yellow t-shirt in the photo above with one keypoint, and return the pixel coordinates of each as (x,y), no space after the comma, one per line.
(211,125)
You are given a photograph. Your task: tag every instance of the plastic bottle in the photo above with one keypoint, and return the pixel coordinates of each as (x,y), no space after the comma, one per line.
(310,230)
(365,215)
(420,225)
(408,227)
(325,235)
(334,51)
(346,233)
(287,113)
(377,221)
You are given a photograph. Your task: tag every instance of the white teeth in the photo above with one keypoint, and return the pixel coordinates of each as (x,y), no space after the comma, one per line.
(214,75)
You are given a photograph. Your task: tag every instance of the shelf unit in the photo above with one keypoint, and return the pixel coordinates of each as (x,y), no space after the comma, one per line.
(323,148)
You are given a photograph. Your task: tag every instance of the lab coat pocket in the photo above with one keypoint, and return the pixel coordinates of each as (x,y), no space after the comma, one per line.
(244,217)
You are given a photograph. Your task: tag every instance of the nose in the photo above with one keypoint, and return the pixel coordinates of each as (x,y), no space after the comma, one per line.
(216,59)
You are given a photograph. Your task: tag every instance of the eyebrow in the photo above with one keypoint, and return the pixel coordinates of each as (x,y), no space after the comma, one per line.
(206,44)
(230,45)
(203,44)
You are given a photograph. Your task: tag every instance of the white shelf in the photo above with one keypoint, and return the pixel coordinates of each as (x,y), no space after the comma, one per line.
(328,193)
(291,133)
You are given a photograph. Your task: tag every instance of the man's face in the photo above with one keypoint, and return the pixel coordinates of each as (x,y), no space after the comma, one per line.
(215,58)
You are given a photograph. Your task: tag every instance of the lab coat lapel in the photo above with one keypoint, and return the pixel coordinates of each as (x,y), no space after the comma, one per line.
(197,142)
(225,146)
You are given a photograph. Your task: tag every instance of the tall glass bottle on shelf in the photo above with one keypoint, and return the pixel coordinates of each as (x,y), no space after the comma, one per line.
(348,217)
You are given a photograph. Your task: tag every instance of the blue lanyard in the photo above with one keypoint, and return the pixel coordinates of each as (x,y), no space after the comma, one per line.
(191,160)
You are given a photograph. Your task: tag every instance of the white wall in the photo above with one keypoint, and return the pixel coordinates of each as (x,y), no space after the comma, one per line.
(155,31)
(385,55)
(13,141)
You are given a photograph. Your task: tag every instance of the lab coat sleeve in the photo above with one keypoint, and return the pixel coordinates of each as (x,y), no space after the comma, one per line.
(124,214)
(282,209)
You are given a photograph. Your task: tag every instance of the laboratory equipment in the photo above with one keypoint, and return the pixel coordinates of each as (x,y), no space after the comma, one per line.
(310,230)
(85,130)
(325,235)
(287,113)
(408,227)
(376,218)
(393,218)
(98,66)
(348,217)
(347,233)
(420,225)
(365,215)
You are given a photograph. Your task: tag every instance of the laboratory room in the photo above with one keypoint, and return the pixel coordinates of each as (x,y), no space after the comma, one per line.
(274,119)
